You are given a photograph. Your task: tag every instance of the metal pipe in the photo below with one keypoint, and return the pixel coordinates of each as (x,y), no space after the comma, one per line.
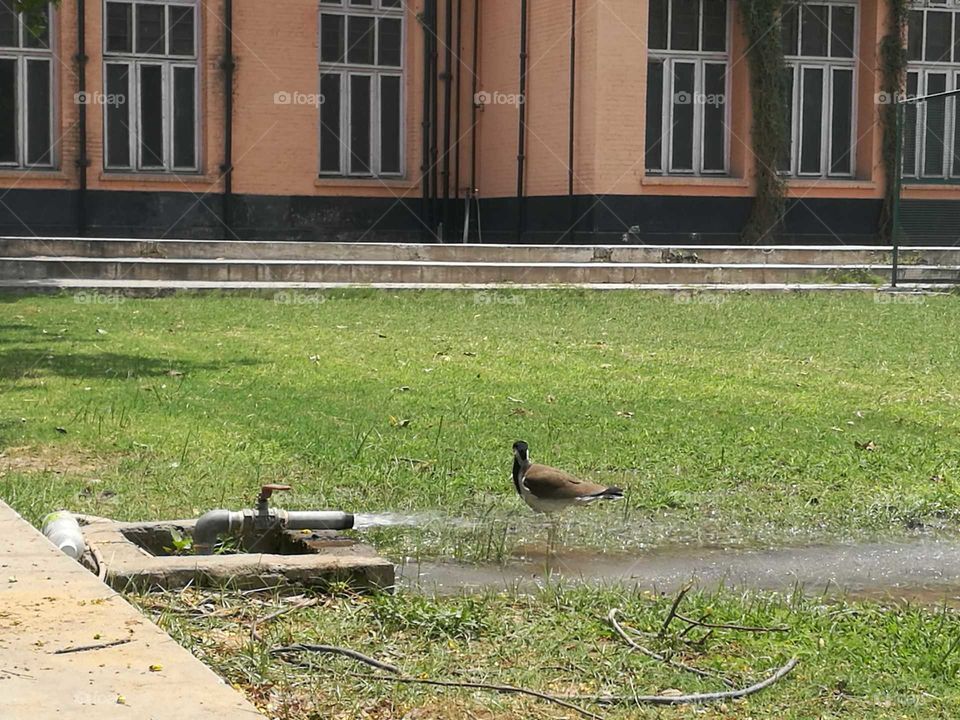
(82,160)
(212,524)
(447,114)
(522,123)
(315,519)
(472,190)
(228,66)
(572,118)
(425,208)
(459,102)
(227,522)
(434,112)
(899,115)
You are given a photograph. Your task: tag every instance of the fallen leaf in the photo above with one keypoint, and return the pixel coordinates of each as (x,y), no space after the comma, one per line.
(868,446)
(551,399)
(101,331)
(514,400)
(174,373)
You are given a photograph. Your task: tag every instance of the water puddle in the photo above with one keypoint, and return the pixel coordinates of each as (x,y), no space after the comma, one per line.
(922,570)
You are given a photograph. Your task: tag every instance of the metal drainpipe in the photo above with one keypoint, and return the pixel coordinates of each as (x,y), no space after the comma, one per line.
(573,95)
(82,160)
(473,109)
(228,67)
(522,124)
(459,102)
(447,100)
(434,124)
(425,219)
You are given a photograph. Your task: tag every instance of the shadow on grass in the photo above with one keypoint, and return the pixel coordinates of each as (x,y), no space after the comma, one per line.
(22,363)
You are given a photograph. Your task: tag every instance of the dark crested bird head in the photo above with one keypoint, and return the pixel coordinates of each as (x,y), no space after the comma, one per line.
(520,450)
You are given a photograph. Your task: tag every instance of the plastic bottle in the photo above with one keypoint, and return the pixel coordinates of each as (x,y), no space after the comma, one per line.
(63,530)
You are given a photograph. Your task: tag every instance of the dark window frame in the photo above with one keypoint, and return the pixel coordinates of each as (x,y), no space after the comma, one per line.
(169,63)
(22,54)
(830,62)
(670,59)
(345,69)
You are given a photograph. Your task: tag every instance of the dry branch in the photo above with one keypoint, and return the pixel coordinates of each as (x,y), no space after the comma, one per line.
(612,618)
(399,677)
(673,608)
(309,602)
(695,697)
(85,648)
(727,626)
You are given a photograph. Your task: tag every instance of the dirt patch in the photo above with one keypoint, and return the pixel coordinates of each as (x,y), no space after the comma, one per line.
(59,459)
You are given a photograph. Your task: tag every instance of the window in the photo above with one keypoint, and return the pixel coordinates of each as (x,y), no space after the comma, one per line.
(687,87)
(931,135)
(361,87)
(26,82)
(150,86)
(819,41)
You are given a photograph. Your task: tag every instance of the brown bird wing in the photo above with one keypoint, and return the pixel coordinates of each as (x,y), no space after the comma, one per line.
(552,484)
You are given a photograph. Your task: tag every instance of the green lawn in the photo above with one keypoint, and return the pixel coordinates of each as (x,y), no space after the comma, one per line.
(779,418)
(752,416)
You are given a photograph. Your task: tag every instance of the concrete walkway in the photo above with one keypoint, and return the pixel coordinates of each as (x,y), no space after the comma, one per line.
(50,603)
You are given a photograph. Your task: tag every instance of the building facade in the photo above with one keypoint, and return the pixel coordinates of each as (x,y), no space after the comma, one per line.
(494,120)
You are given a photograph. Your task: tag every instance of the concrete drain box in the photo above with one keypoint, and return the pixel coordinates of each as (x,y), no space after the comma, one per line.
(142,556)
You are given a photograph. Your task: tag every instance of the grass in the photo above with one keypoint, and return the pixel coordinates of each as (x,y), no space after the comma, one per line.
(728,419)
(858,661)
(724,417)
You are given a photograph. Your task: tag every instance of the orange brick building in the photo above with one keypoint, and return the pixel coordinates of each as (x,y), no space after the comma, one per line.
(499,120)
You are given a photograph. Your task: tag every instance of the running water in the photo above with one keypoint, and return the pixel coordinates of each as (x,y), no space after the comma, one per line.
(924,567)
(923,571)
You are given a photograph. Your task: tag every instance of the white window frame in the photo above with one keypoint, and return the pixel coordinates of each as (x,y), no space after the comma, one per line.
(699,58)
(923,69)
(346,70)
(133,61)
(795,66)
(21,55)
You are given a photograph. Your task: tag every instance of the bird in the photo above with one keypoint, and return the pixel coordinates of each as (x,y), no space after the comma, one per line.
(549,490)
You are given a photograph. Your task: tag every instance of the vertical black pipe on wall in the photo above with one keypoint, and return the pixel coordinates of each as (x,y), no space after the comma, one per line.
(228,66)
(474,70)
(434,118)
(522,125)
(458,96)
(572,120)
(425,204)
(447,100)
(82,161)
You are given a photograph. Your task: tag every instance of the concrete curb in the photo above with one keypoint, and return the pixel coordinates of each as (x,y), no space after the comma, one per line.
(49,602)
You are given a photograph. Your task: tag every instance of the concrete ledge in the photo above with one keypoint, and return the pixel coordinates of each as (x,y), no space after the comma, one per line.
(129,566)
(49,602)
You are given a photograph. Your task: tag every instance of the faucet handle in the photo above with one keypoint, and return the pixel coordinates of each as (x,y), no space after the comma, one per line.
(267,490)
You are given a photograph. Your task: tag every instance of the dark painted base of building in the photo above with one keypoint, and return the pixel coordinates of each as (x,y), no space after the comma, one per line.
(610,219)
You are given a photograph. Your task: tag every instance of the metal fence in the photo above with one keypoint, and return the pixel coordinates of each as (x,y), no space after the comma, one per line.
(927,152)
